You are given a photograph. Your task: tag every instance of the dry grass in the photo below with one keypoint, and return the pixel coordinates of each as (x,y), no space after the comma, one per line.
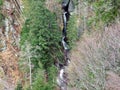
(93,56)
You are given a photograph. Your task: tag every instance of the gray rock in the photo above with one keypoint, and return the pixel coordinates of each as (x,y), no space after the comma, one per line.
(65,2)
(71,6)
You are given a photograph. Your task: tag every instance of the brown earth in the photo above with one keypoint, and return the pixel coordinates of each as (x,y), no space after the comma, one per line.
(9,63)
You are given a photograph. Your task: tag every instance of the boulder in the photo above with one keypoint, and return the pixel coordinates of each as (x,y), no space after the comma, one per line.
(65,2)
(71,5)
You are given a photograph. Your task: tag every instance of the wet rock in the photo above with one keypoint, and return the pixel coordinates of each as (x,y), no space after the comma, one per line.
(61,80)
(71,5)
(65,44)
(65,2)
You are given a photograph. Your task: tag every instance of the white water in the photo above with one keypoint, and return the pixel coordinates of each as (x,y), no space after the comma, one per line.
(64,44)
(61,80)
(64,18)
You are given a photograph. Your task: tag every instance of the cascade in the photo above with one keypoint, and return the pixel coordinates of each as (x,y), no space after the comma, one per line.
(62,76)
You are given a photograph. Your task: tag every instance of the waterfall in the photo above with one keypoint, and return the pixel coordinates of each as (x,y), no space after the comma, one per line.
(62,76)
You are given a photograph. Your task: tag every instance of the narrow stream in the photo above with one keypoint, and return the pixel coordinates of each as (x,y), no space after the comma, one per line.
(62,75)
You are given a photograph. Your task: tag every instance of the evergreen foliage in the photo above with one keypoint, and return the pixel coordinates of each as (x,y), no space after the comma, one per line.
(42,32)
(40,83)
(19,87)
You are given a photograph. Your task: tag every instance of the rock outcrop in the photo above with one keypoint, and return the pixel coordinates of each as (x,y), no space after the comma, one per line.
(9,42)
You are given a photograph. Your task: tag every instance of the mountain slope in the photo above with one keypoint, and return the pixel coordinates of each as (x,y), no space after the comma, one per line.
(9,43)
(95,61)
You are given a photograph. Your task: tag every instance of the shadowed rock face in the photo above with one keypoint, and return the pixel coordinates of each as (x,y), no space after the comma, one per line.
(65,2)
(70,4)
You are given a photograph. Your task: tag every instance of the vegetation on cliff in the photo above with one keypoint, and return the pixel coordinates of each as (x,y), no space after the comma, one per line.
(94,56)
(41,33)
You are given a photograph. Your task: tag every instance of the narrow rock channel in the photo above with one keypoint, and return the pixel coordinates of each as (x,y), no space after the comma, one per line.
(62,75)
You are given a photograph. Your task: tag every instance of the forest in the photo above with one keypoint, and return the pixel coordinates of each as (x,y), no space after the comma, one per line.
(62,44)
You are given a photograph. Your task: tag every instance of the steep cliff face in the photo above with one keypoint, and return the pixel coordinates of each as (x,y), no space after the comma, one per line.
(9,42)
(95,58)
(95,61)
